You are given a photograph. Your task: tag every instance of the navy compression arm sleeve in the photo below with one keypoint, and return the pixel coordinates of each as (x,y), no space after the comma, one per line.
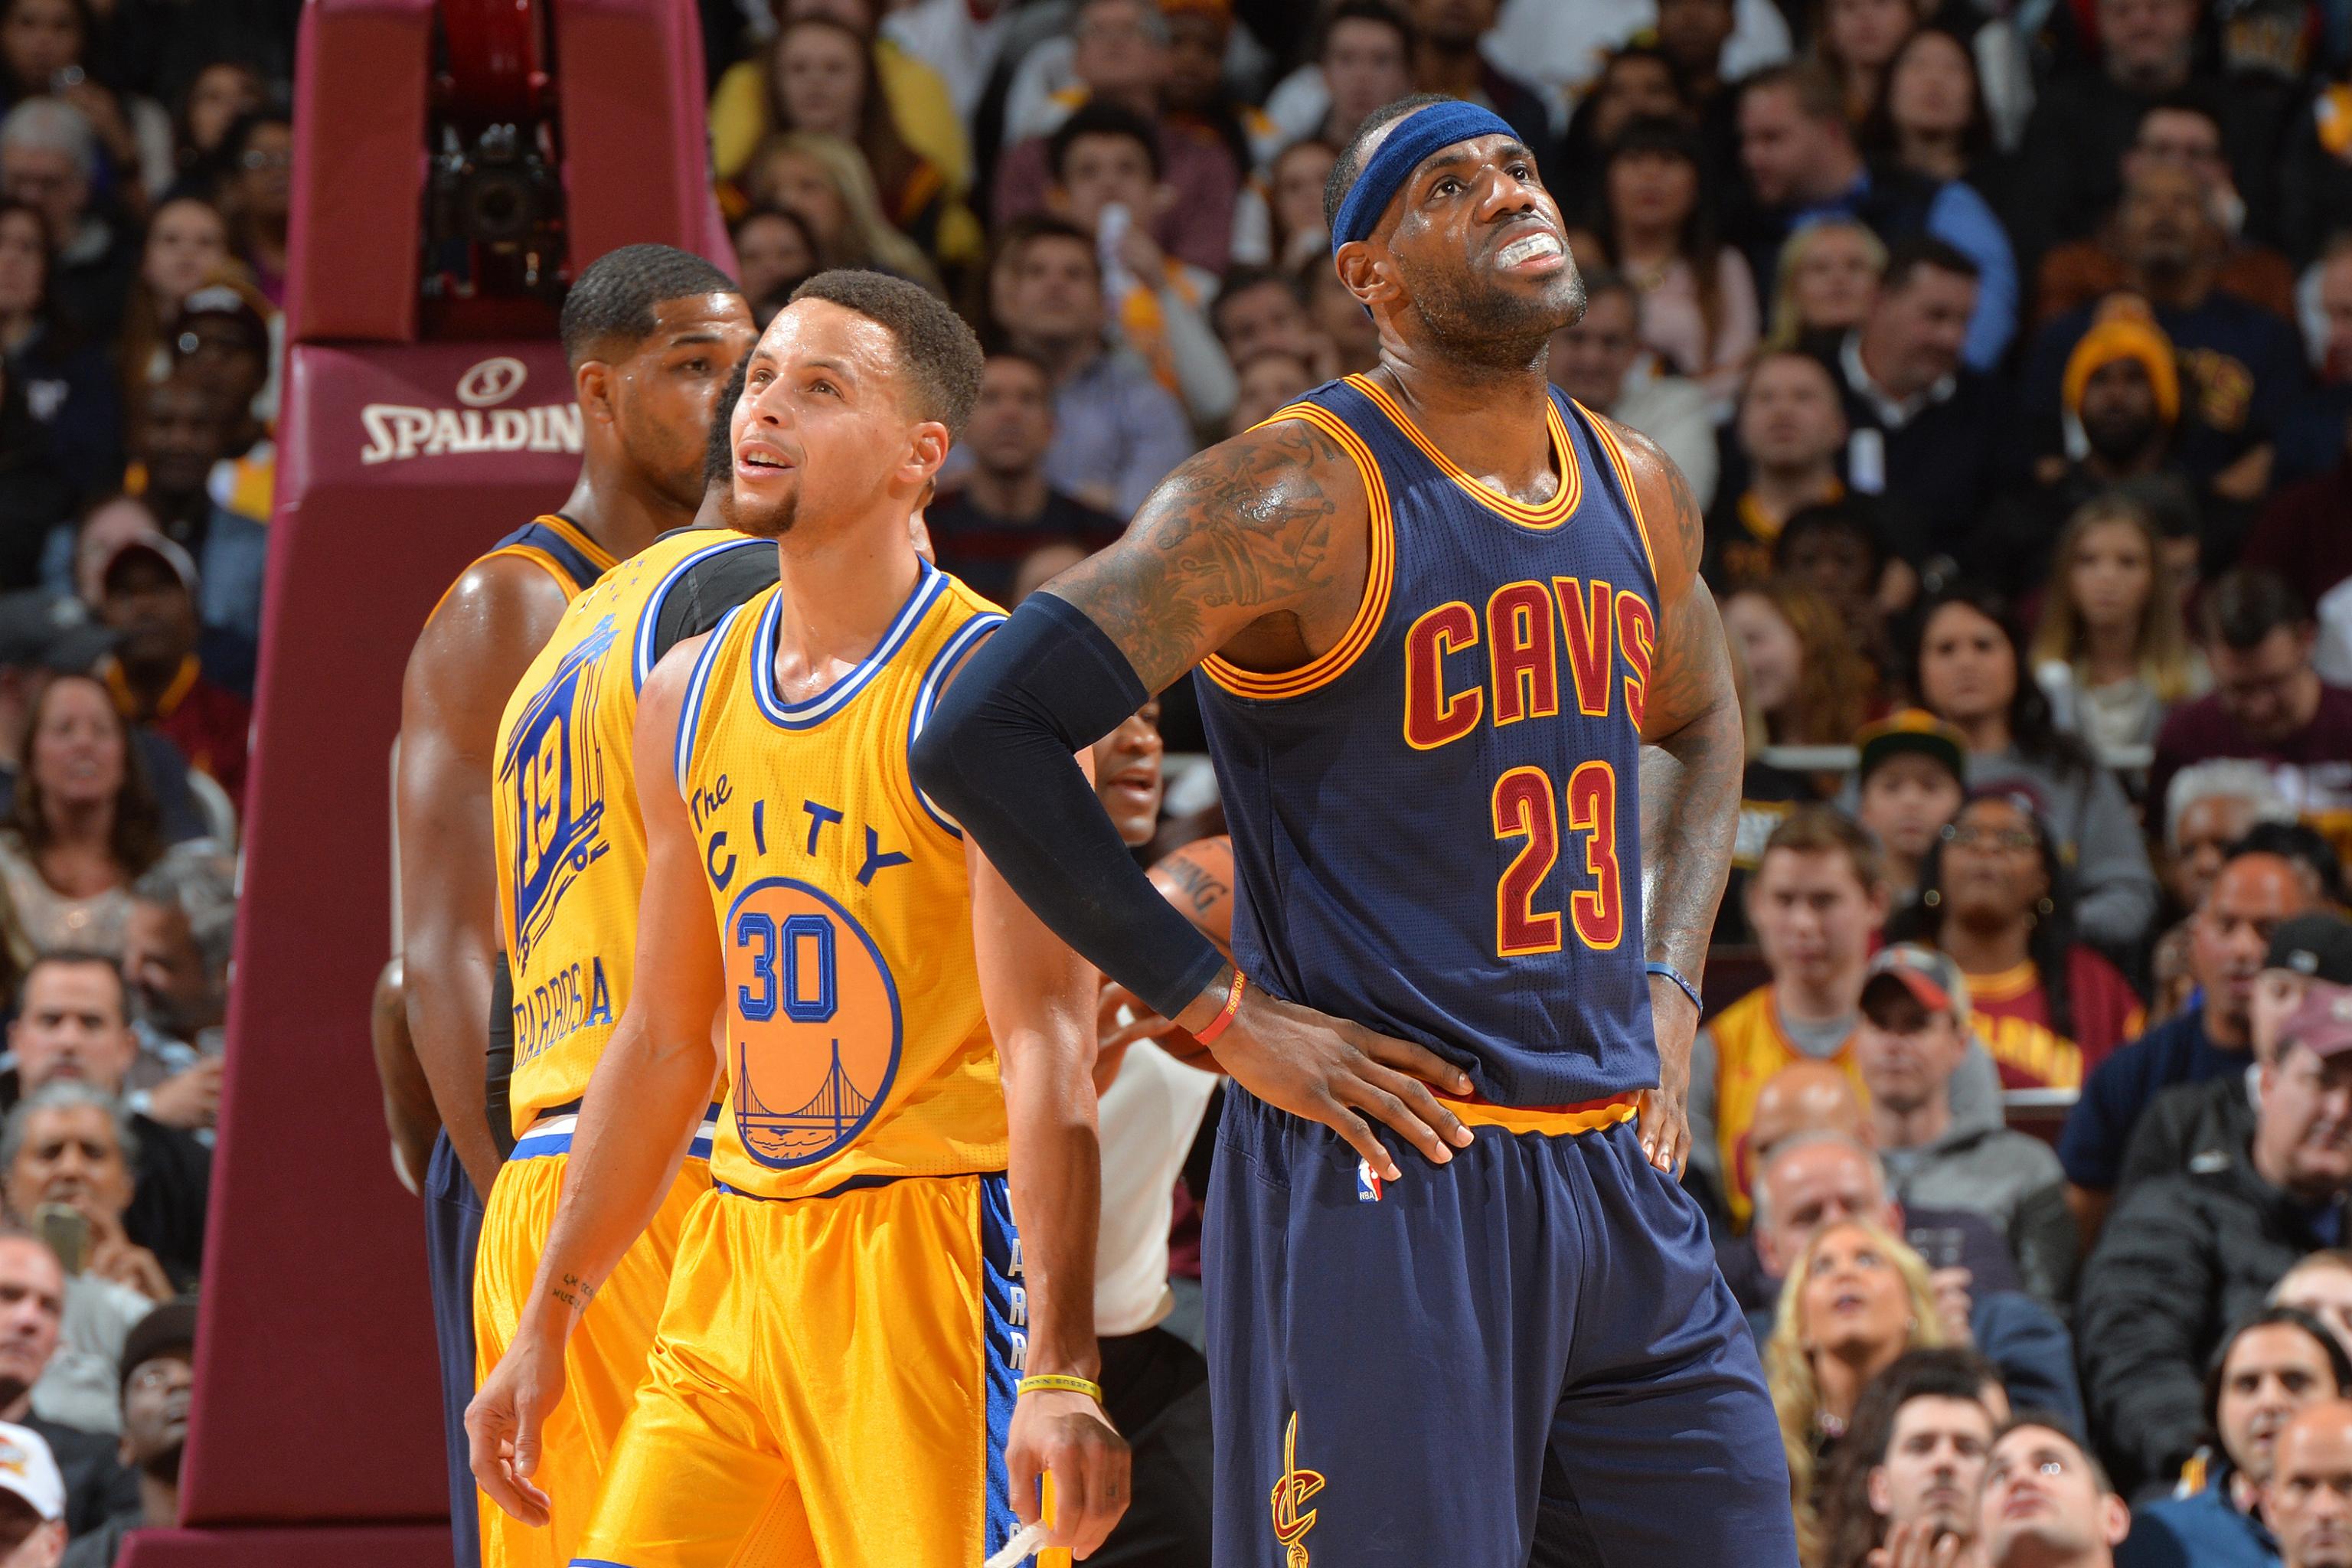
(998,754)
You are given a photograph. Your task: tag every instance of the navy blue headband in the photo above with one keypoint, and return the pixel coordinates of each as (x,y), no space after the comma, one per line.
(1416,136)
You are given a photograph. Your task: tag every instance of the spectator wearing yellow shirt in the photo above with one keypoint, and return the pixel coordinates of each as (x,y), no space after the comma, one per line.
(1816,901)
(742,106)
(823,80)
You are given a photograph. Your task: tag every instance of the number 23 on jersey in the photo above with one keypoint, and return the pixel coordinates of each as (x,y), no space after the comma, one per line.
(1527,806)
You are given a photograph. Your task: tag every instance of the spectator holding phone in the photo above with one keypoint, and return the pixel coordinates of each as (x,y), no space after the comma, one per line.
(74,1027)
(70,1146)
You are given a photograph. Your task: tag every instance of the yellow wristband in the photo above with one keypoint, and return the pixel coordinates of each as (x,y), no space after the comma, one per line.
(1046,1384)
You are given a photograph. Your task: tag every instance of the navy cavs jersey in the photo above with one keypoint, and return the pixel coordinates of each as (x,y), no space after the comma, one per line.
(560,545)
(1436,825)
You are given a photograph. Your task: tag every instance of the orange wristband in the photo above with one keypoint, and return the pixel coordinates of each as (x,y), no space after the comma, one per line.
(1216,1025)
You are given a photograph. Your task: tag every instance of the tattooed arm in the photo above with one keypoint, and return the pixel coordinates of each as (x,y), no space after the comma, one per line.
(1691,763)
(1256,549)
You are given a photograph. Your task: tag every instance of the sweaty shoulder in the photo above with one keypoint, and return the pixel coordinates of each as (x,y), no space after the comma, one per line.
(1669,512)
(1255,548)
(487,629)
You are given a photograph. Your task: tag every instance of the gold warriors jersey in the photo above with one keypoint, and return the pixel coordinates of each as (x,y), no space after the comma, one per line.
(855,1047)
(570,838)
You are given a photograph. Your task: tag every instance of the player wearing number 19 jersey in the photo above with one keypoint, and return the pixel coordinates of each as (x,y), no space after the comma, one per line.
(571,847)
(649,333)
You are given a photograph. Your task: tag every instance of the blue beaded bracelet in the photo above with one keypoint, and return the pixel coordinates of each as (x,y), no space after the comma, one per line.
(1681,980)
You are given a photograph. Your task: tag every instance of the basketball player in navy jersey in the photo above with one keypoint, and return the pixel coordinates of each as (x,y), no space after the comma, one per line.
(651,333)
(1474,726)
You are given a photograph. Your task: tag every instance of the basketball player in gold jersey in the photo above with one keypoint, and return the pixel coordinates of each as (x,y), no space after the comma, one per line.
(834,1378)
(650,333)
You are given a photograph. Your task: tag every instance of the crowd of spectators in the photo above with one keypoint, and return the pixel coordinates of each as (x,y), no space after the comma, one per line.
(2008,348)
(145,189)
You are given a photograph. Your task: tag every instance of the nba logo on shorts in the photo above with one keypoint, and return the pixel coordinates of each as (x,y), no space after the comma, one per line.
(1368,1185)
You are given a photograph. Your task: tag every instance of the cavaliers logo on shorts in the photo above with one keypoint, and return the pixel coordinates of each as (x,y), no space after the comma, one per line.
(814,1019)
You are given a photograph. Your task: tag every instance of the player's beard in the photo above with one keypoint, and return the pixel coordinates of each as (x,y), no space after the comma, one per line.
(766,520)
(1487,328)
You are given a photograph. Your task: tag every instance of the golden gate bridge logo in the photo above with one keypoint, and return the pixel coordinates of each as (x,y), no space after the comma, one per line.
(832,1115)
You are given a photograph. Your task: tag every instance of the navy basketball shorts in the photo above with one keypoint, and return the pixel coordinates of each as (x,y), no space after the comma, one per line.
(1526,1356)
(452,1231)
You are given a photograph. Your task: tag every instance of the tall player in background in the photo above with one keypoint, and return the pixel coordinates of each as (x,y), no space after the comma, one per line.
(650,333)
(837,1376)
(571,846)
(1474,732)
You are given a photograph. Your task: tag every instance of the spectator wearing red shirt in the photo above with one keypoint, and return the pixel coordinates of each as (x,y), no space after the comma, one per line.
(1993,893)
(2268,703)
(148,597)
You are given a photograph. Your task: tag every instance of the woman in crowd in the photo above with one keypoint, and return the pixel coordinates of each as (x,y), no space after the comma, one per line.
(1805,677)
(2111,651)
(1698,302)
(1858,40)
(85,823)
(1767,794)
(258,195)
(775,252)
(45,49)
(221,94)
(825,181)
(1829,274)
(1994,894)
(1294,205)
(1932,120)
(1858,1298)
(186,246)
(822,79)
(922,107)
(1968,671)
(1637,82)
(68,384)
